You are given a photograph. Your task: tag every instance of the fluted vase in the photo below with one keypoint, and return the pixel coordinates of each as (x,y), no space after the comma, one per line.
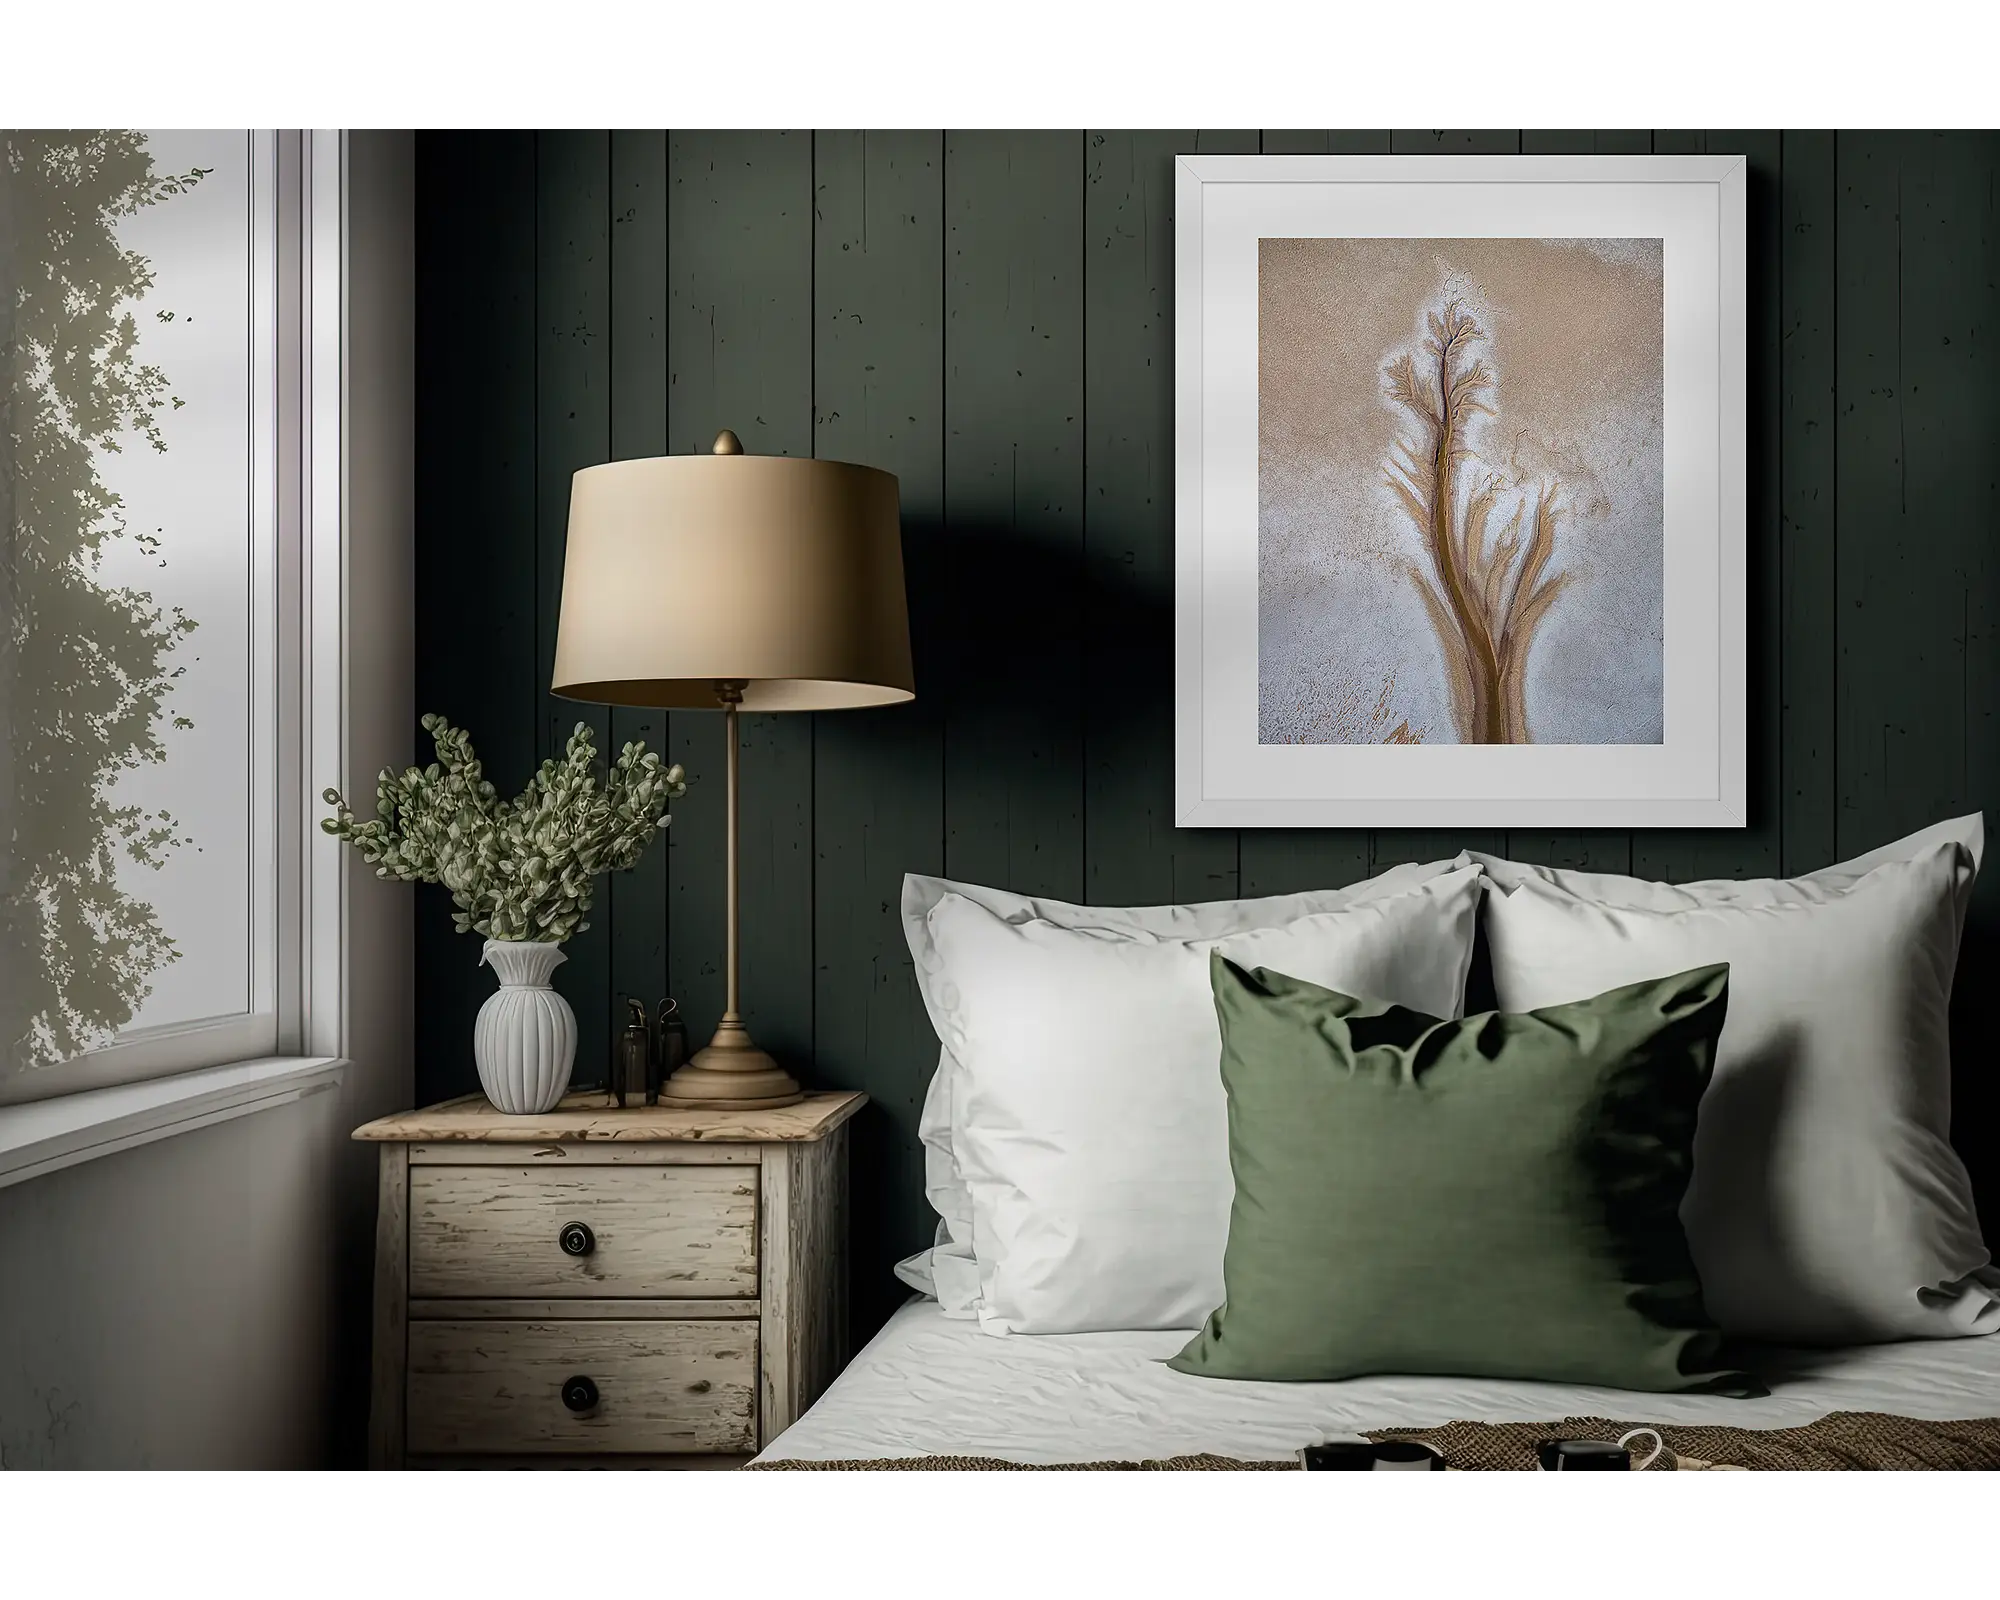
(525,1037)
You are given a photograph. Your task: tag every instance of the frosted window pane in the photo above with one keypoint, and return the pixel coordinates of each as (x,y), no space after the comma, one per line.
(127,688)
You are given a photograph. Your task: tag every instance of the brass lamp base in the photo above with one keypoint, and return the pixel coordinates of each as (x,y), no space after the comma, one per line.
(731,1074)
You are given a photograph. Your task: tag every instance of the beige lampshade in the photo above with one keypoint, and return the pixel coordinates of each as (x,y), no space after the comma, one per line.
(781,574)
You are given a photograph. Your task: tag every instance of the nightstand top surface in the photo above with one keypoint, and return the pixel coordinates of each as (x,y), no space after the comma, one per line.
(593,1118)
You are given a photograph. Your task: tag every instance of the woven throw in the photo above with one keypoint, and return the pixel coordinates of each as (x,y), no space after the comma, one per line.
(1844,1441)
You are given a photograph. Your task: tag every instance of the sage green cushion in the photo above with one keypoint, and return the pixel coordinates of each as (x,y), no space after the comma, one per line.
(1495,1196)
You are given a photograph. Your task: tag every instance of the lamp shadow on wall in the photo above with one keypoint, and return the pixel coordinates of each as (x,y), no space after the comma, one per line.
(1024,645)
(1975,1045)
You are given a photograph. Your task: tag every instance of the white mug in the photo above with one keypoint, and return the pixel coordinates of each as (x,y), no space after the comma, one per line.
(1624,1443)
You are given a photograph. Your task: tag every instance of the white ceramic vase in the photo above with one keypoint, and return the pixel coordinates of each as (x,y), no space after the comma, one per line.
(525,1037)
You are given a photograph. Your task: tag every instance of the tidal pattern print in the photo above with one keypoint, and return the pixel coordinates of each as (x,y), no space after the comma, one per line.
(1460,497)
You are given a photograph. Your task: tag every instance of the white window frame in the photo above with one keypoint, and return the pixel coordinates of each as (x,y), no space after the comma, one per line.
(297,909)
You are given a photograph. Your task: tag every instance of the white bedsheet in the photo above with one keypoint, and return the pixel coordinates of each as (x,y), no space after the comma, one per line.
(930,1385)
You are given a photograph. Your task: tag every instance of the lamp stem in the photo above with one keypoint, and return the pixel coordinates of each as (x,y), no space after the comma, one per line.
(729,1011)
(731,1073)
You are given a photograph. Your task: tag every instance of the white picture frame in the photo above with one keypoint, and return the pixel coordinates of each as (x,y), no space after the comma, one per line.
(1695,775)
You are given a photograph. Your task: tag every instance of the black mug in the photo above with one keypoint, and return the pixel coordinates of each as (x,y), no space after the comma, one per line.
(1595,1455)
(1387,1455)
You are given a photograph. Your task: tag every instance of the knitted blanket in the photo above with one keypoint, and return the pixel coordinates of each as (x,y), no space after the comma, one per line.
(1843,1441)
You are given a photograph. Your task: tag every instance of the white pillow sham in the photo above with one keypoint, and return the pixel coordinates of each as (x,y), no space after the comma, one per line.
(1826,1205)
(1615,889)
(947,1271)
(1090,1122)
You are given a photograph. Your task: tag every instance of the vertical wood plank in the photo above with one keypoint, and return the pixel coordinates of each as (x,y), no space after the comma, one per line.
(1901,751)
(739,348)
(1949,285)
(878,394)
(1756,850)
(1585,850)
(1456,141)
(1915,477)
(1393,846)
(1971,300)
(476,509)
(1323,142)
(1013,506)
(1288,860)
(1291,860)
(1133,852)
(638,360)
(1586,142)
(572,430)
(1955,298)
(388,1394)
(1808,615)
(1560,142)
(1622,142)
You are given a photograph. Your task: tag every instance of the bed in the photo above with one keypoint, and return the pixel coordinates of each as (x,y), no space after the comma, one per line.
(1145,1116)
(928,1385)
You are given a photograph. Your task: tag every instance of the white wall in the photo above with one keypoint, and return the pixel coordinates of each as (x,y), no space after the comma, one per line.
(203,1301)
(168,1306)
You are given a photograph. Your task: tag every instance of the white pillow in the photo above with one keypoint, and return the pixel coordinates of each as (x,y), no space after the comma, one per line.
(1091,1126)
(1614,889)
(947,1270)
(1826,1205)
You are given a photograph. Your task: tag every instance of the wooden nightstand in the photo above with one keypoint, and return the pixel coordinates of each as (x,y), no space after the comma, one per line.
(666,1287)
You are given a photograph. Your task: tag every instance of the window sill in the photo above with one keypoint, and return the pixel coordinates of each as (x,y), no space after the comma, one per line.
(44,1136)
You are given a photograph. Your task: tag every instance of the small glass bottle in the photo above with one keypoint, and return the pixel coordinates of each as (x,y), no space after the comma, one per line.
(632,1061)
(673,1037)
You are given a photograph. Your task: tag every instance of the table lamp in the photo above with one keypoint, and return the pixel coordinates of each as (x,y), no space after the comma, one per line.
(730,582)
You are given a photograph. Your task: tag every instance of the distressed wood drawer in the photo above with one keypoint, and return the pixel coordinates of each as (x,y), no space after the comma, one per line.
(496,1388)
(666,1231)
(707,1307)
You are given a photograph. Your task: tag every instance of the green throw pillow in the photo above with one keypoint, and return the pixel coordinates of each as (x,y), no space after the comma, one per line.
(1495,1196)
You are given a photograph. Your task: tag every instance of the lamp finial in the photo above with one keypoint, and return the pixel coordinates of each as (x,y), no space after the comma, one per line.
(726,444)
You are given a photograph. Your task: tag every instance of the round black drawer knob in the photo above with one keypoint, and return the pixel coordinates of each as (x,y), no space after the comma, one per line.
(580,1394)
(577,1239)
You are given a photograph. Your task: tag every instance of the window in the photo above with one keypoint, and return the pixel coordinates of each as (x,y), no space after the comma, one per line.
(157,502)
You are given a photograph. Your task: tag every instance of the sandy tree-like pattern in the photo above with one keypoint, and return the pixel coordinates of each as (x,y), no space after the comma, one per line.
(1349,713)
(1484,597)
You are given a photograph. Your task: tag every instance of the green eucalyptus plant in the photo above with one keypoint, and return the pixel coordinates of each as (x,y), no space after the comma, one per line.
(522,869)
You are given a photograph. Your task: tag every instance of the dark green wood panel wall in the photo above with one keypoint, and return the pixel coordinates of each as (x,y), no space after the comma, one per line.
(988,315)
(879,776)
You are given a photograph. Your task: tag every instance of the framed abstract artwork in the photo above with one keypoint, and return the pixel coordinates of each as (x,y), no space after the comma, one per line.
(1460,491)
